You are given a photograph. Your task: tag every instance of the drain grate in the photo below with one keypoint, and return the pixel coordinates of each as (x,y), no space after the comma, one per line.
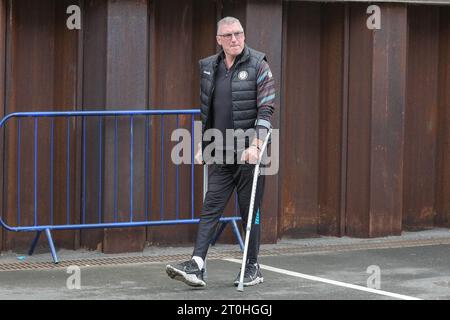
(114,261)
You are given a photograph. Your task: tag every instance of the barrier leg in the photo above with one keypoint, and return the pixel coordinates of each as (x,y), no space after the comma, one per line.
(34,243)
(52,246)
(218,233)
(237,234)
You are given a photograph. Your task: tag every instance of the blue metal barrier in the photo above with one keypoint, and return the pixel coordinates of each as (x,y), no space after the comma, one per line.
(37,217)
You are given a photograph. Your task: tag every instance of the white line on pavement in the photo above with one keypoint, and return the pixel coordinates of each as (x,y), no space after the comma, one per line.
(337,283)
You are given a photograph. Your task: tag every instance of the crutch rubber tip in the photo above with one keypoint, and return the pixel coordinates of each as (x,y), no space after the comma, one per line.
(240,287)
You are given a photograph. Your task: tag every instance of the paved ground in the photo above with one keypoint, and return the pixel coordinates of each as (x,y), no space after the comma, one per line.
(414,265)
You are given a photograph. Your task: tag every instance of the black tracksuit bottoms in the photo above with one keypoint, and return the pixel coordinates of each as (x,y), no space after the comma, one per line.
(222,180)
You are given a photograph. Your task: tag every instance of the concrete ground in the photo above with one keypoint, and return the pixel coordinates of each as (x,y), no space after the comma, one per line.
(415,265)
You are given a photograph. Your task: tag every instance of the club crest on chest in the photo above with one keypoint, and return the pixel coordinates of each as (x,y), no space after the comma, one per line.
(243,75)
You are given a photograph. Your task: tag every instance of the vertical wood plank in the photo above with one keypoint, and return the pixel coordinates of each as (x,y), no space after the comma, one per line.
(376,118)
(3,20)
(443,158)
(65,91)
(33,75)
(359,110)
(94,98)
(45,80)
(387,120)
(421,117)
(126,88)
(331,91)
(300,120)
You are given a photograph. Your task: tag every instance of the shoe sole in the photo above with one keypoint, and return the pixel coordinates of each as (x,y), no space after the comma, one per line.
(189,279)
(251,283)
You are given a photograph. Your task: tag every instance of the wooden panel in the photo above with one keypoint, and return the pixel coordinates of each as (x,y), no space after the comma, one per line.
(94,95)
(65,90)
(2,104)
(375,128)
(171,69)
(283,133)
(331,90)
(263,27)
(443,158)
(359,110)
(22,39)
(300,120)
(126,88)
(43,80)
(421,117)
(78,128)
(387,119)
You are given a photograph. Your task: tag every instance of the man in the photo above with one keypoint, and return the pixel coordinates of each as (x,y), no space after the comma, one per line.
(237,92)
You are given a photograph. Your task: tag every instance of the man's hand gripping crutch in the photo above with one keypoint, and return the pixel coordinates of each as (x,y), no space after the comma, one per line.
(250,211)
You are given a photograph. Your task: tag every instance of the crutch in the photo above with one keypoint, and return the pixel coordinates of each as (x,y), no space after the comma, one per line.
(250,213)
(205,190)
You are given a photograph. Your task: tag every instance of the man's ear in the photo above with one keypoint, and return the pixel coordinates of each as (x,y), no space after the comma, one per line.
(219,41)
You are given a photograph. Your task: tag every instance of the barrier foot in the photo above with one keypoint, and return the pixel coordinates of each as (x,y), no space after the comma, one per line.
(237,234)
(34,243)
(218,233)
(52,246)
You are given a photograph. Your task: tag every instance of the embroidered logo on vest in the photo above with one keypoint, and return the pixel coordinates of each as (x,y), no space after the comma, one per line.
(243,75)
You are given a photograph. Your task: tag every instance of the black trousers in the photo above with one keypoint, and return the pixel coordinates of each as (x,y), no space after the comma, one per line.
(222,180)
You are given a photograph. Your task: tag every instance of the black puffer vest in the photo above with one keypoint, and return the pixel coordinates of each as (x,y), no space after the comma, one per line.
(243,88)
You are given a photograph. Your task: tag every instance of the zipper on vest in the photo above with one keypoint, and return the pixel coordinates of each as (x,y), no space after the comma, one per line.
(232,76)
(209,105)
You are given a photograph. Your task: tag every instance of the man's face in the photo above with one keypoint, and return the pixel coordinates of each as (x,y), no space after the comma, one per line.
(232,39)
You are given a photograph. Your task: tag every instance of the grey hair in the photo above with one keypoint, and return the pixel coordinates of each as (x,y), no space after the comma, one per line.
(228,20)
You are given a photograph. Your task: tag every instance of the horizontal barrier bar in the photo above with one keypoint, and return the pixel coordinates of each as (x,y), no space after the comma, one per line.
(98,113)
(115,225)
